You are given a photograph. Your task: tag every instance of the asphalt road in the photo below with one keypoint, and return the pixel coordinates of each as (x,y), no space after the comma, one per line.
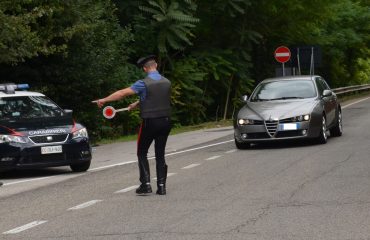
(294,190)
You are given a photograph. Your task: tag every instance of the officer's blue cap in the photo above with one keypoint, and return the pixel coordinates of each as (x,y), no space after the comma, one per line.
(141,62)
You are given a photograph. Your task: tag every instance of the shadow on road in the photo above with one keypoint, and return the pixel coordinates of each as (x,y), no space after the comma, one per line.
(45,172)
(284,144)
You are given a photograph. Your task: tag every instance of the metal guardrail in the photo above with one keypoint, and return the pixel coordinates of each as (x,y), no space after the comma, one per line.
(350,89)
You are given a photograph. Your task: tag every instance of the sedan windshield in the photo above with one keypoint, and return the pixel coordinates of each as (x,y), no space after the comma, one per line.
(28,107)
(282,90)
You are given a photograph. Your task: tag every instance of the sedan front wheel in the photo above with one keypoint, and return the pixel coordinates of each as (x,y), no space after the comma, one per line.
(337,130)
(323,137)
(242,145)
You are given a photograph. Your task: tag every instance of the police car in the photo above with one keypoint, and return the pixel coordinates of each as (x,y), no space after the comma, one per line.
(35,132)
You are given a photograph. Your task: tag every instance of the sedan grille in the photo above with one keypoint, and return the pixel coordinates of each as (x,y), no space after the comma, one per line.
(288,120)
(271,127)
(49,139)
(257,122)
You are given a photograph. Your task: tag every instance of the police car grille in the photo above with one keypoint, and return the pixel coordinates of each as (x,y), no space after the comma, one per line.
(271,127)
(49,138)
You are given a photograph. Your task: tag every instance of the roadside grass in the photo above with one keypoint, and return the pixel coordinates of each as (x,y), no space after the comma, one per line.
(217,124)
(355,96)
(175,130)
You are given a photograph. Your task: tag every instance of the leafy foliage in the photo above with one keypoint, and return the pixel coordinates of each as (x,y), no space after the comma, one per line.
(173,25)
(212,51)
(97,46)
(20,38)
(186,93)
(347,40)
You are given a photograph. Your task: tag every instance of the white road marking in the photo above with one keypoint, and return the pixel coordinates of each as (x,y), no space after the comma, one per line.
(168,175)
(193,149)
(24,227)
(231,151)
(24,181)
(85,205)
(191,166)
(355,102)
(127,189)
(170,154)
(109,166)
(212,158)
(124,163)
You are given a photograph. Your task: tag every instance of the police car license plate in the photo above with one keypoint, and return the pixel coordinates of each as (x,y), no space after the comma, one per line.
(51,149)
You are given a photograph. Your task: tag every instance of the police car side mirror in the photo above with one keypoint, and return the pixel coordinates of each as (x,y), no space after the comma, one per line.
(244,98)
(68,112)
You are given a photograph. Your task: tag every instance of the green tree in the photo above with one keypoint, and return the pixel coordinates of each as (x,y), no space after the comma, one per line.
(213,51)
(88,61)
(346,40)
(24,30)
(172,22)
(187,77)
(224,47)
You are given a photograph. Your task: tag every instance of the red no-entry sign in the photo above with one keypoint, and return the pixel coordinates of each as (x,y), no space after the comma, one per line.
(282,54)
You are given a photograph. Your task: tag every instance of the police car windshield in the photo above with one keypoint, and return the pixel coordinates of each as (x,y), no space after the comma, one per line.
(28,107)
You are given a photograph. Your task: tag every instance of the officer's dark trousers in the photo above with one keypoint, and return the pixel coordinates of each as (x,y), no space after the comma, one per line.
(156,129)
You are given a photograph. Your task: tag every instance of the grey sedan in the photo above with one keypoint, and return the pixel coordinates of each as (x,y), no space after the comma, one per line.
(295,107)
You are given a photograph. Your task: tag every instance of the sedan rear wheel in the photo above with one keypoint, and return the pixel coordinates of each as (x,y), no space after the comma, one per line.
(242,145)
(323,137)
(337,130)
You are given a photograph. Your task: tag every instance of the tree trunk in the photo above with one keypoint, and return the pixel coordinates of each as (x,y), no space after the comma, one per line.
(228,96)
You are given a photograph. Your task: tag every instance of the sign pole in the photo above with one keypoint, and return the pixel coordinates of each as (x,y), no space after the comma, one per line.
(283,69)
(312,62)
(299,63)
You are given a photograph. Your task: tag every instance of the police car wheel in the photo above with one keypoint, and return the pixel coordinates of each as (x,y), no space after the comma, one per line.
(80,167)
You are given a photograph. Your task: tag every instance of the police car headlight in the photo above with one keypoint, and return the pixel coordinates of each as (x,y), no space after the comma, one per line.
(12,139)
(82,133)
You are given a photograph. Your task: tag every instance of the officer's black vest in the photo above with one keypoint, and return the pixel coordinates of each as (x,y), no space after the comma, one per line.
(157,102)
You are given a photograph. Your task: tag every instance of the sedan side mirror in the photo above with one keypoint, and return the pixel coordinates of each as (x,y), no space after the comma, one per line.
(244,98)
(327,93)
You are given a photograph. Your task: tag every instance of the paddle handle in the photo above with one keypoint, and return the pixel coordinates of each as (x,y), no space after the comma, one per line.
(122,109)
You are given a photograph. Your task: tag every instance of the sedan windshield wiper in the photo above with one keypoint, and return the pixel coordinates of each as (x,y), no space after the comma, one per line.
(284,98)
(261,99)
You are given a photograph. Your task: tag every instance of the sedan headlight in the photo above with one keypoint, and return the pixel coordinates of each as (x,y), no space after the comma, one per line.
(242,121)
(82,133)
(302,118)
(12,139)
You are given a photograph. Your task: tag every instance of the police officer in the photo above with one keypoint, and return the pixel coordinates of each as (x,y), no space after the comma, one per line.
(155,93)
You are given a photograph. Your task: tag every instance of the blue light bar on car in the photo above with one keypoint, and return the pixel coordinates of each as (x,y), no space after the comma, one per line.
(23,86)
(10,88)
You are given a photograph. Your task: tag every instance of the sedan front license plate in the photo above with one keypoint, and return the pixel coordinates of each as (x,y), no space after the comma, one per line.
(51,149)
(289,126)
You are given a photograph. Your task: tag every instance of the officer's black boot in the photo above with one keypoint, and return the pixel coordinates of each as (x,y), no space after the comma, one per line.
(144,188)
(161,182)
